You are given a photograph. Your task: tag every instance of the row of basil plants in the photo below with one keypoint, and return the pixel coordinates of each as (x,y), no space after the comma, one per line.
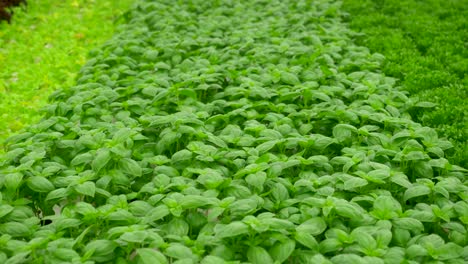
(232,132)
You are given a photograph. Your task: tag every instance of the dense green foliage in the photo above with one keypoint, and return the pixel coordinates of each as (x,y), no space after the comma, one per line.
(232,132)
(43,50)
(425,44)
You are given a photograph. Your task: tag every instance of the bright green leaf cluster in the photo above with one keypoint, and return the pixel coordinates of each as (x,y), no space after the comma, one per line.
(424,43)
(43,49)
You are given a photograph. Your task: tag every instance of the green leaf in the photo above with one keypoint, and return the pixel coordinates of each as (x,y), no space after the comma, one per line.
(281,251)
(178,251)
(414,251)
(401,179)
(101,249)
(57,194)
(80,159)
(181,155)
(449,251)
(347,259)
(243,206)
(364,239)
(40,184)
(416,191)
(343,132)
(279,192)
(15,229)
(102,158)
(425,105)
(231,230)
(19,258)
(150,256)
(314,226)
(178,227)
(139,208)
(277,224)
(212,260)
(121,135)
(329,245)
(5,209)
(416,155)
(387,203)
(157,213)
(408,224)
(134,236)
(354,182)
(258,255)
(289,78)
(217,141)
(131,167)
(12,181)
(121,215)
(264,147)
(348,210)
(87,188)
(196,201)
(85,208)
(65,254)
(256,180)
(65,223)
